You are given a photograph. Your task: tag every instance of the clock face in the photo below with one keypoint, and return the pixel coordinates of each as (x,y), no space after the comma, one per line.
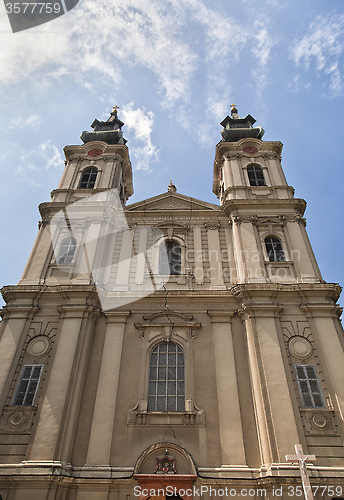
(95,152)
(250,150)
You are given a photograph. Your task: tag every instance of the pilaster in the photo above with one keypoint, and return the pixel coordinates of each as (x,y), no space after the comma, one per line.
(231,433)
(99,447)
(275,415)
(53,406)
(15,319)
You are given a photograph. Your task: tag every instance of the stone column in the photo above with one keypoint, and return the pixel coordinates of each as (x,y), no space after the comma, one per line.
(141,256)
(302,254)
(53,406)
(13,329)
(215,261)
(231,433)
(271,393)
(75,393)
(33,272)
(247,252)
(124,260)
(99,447)
(198,255)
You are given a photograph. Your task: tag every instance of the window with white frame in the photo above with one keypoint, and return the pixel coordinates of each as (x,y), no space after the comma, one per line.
(28,385)
(88,178)
(170,260)
(309,386)
(166,389)
(67,250)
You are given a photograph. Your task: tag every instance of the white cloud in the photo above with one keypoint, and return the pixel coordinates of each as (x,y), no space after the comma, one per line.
(32,121)
(184,44)
(46,156)
(323,44)
(99,36)
(141,123)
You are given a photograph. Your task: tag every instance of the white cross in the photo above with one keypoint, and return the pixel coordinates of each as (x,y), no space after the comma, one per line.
(301,458)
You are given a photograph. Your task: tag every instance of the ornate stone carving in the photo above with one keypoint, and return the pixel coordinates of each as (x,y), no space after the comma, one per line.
(211,226)
(239,219)
(17,419)
(300,347)
(38,346)
(319,422)
(232,156)
(165,464)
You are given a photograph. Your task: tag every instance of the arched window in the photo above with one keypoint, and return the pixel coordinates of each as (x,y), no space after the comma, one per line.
(88,178)
(67,250)
(170,260)
(255,175)
(166,390)
(274,249)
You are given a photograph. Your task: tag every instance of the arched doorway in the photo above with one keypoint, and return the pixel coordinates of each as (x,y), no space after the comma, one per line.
(164,472)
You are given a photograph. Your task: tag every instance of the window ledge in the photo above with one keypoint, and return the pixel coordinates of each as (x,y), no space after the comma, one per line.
(144,417)
(281,270)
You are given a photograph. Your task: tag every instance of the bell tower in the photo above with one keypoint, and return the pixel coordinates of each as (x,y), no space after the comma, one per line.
(101,163)
(92,170)
(269,236)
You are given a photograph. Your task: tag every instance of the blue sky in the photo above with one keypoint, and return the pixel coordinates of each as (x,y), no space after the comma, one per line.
(174,67)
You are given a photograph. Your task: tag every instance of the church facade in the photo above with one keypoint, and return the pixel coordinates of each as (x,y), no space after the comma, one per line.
(171,347)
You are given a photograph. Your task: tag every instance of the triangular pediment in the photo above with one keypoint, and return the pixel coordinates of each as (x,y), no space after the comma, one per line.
(171,201)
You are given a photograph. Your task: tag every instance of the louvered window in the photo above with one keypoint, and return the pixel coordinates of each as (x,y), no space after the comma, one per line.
(67,250)
(309,386)
(88,178)
(28,385)
(166,391)
(255,175)
(274,249)
(170,259)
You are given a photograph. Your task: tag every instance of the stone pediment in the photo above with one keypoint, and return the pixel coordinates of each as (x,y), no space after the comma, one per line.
(171,201)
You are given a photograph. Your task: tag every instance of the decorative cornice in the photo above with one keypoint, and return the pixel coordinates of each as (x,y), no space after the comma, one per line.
(220,316)
(321,310)
(19,311)
(211,226)
(277,204)
(239,219)
(77,310)
(231,156)
(295,218)
(261,309)
(168,314)
(117,316)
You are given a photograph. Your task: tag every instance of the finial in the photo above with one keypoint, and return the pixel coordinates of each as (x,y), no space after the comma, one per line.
(171,187)
(114,110)
(234,109)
